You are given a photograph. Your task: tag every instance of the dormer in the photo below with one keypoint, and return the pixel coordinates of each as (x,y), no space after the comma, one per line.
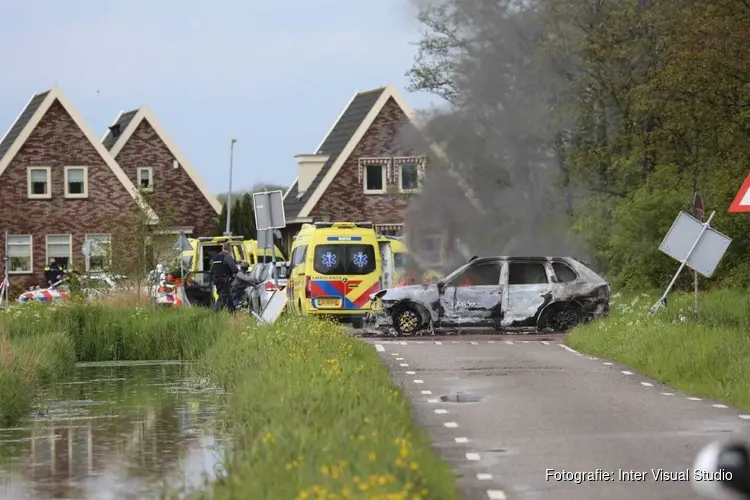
(309,167)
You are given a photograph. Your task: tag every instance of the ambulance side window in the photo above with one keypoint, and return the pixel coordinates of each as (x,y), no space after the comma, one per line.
(298,256)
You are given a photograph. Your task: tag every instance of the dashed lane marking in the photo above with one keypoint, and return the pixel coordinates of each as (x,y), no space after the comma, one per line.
(647,384)
(461,440)
(625,372)
(720,406)
(544,342)
(441,411)
(745,417)
(437,342)
(509,342)
(607,363)
(418,381)
(411,373)
(693,399)
(451,425)
(483,476)
(379,348)
(496,495)
(435,400)
(426,393)
(668,393)
(473,457)
(404,364)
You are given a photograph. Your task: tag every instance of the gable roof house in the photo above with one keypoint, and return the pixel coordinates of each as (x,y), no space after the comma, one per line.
(362,171)
(60,186)
(153,162)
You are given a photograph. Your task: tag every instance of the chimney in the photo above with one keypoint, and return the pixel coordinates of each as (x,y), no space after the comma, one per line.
(309,166)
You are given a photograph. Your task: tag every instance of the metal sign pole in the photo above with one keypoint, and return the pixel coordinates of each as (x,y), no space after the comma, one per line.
(5,288)
(699,213)
(661,300)
(182,267)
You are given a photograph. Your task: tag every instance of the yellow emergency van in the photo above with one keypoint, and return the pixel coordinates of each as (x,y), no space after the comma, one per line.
(205,248)
(335,267)
(400,256)
(255,254)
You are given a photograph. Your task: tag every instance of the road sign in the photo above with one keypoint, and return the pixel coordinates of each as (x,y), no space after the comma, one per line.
(698,211)
(269,210)
(741,202)
(707,248)
(264,238)
(182,244)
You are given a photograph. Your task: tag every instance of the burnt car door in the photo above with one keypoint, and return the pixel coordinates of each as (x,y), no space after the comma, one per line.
(474,297)
(528,291)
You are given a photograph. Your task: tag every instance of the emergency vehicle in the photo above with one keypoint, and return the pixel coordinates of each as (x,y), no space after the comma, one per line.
(256,254)
(335,267)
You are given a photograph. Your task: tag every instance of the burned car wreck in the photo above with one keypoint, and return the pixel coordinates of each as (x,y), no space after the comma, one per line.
(546,294)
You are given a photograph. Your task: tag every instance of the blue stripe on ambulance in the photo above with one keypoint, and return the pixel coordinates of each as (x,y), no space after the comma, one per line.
(332,292)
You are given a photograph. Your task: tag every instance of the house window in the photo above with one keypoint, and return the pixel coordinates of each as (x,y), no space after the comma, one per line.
(98,248)
(146,178)
(39,182)
(374,179)
(60,246)
(76,182)
(20,254)
(409,178)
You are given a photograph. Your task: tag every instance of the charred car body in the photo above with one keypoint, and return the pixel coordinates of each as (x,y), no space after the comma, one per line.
(548,294)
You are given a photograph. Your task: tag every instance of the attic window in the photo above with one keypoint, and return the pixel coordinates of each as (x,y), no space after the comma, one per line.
(115,130)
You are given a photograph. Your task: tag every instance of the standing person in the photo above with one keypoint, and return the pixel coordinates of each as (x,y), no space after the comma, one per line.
(52,272)
(242,280)
(223,268)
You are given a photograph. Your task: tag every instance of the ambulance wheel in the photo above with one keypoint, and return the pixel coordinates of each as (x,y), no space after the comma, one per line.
(406,320)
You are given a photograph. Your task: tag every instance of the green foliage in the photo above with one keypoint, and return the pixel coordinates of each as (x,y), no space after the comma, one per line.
(650,100)
(289,382)
(243,218)
(706,358)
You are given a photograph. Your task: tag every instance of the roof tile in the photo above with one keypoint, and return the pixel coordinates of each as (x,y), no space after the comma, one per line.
(123,121)
(20,123)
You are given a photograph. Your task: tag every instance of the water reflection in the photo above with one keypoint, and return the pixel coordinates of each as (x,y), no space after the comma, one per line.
(115,432)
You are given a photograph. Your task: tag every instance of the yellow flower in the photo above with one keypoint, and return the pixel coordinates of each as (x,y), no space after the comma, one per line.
(372,457)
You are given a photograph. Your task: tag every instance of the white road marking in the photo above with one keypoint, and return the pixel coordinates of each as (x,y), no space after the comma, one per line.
(668,393)
(625,372)
(568,349)
(399,359)
(591,357)
(456,341)
(473,456)
(496,495)
(607,363)
(417,381)
(426,392)
(525,342)
(483,476)
(544,342)
(403,343)
(490,341)
(420,342)
(694,399)
(473,343)
(394,354)
(721,406)
(579,354)
(434,400)
(462,440)
(451,425)
(404,364)
(438,343)
(441,411)
(411,373)
(745,417)
(509,342)
(379,347)
(647,384)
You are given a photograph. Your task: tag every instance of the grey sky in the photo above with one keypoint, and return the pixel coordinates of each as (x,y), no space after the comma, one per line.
(274,76)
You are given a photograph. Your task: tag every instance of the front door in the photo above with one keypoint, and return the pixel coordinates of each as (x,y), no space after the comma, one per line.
(529,289)
(474,298)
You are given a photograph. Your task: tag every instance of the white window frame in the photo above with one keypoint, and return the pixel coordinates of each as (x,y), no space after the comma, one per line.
(139,177)
(383,167)
(401,179)
(109,257)
(30,244)
(85,193)
(30,194)
(70,249)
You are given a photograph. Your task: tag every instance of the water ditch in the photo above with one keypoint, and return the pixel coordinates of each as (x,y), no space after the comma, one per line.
(116,431)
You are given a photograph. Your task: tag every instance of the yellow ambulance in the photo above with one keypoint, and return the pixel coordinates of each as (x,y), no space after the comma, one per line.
(255,254)
(335,267)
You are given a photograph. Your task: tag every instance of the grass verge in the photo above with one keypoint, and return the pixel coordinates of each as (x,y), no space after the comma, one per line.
(316,415)
(706,356)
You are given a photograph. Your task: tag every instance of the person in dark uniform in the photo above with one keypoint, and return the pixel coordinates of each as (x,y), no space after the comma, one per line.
(223,268)
(52,272)
(241,282)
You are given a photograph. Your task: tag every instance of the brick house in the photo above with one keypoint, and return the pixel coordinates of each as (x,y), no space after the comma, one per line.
(60,186)
(362,171)
(152,161)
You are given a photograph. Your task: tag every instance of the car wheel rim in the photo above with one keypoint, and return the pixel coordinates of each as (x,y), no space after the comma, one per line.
(407,322)
(564,319)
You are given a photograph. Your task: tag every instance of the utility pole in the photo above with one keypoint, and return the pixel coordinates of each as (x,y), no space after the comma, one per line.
(228,231)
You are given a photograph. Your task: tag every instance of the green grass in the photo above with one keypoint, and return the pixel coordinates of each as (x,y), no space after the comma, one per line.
(707,356)
(313,411)
(316,415)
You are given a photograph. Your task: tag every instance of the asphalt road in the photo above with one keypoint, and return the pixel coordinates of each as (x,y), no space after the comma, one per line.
(548,407)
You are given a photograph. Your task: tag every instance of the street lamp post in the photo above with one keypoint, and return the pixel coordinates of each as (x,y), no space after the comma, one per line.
(228,232)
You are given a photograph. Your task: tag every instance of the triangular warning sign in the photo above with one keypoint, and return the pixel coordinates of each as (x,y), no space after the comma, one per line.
(741,202)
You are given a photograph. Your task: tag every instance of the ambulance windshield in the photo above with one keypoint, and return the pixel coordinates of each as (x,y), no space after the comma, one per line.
(350,259)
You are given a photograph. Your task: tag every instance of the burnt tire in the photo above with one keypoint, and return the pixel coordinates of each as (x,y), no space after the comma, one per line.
(560,319)
(406,320)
